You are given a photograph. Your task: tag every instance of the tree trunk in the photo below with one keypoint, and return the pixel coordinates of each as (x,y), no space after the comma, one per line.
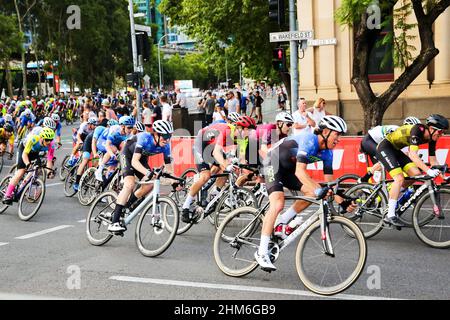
(24,65)
(9,79)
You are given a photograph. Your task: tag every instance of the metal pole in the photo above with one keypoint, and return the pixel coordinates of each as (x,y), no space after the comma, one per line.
(135,56)
(294,57)
(159,65)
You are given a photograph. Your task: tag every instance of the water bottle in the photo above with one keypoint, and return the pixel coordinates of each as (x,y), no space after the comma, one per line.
(406,195)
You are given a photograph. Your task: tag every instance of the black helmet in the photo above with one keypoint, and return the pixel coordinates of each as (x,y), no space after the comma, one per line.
(437,121)
(8,127)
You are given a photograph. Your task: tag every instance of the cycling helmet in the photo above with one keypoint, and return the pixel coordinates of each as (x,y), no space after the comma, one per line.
(47,134)
(163,127)
(437,121)
(8,117)
(40,102)
(233,116)
(285,117)
(139,126)
(411,120)
(105,102)
(55,117)
(246,122)
(127,121)
(49,123)
(334,123)
(8,127)
(112,122)
(27,112)
(93,120)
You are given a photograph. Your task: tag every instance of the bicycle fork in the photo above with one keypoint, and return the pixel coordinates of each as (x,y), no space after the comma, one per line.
(325,231)
(436,199)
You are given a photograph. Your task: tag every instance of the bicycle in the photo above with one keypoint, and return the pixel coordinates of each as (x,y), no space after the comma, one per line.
(10,156)
(72,175)
(322,236)
(154,218)
(31,190)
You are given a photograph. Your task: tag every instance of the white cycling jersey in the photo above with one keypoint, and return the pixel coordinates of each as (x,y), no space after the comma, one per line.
(378,133)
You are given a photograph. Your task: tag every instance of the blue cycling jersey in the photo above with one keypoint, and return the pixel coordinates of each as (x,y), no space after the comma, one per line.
(113,135)
(147,146)
(3,121)
(307,150)
(98,132)
(24,121)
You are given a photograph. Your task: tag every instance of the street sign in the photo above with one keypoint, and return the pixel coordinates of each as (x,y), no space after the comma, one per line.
(322,42)
(140,27)
(291,35)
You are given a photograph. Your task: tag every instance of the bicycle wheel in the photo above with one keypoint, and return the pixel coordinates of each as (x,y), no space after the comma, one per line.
(430,229)
(347,181)
(242,197)
(369,213)
(180,197)
(236,241)
(13,168)
(89,187)
(325,274)
(152,236)
(3,185)
(99,217)
(69,182)
(63,171)
(31,199)
(1,163)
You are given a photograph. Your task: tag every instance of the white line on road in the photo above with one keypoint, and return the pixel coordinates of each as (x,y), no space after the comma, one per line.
(242,288)
(19,296)
(3,243)
(40,233)
(54,184)
(82,221)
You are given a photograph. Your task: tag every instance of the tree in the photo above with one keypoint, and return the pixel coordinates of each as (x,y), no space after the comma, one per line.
(10,44)
(354,14)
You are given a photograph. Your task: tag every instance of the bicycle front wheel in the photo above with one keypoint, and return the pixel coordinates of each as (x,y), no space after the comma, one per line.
(325,274)
(237,240)
(99,218)
(430,229)
(152,235)
(31,199)
(69,182)
(63,171)
(89,187)
(3,186)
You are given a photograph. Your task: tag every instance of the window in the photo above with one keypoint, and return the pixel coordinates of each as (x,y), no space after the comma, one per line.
(377,73)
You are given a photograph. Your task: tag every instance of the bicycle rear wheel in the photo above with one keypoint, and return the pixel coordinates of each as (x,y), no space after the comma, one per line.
(322,273)
(236,241)
(430,229)
(152,236)
(99,217)
(369,212)
(180,197)
(69,182)
(63,171)
(89,187)
(3,186)
(31,199)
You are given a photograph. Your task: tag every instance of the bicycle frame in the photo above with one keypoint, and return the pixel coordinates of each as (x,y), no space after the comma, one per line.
(153,196)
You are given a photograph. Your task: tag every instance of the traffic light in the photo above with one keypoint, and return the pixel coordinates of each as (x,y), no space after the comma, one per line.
(279,59)
(276,11)
(133,79)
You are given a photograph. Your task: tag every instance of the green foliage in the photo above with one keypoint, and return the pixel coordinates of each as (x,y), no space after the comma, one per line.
(11,39)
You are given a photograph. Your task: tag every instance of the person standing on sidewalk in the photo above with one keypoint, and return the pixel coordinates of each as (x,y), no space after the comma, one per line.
(232,104)
(166,109)
(209,106)
(258,107)
(302,119)
(318,111)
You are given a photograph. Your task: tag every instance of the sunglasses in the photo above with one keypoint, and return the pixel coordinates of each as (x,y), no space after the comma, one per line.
(166,136)
(129,128)
(289,124)
(48,140)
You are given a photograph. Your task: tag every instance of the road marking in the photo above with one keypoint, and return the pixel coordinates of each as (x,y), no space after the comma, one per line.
(54,184)
(3,243)
(40,233)
(242,288)
(19,296)
(82,221)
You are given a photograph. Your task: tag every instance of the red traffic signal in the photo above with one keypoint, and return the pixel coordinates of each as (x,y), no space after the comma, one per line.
(279,59)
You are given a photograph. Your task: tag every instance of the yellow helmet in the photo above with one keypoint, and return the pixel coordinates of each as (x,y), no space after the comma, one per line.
(47,134)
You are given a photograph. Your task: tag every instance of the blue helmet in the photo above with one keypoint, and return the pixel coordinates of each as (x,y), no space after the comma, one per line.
(112,122)
(126,121)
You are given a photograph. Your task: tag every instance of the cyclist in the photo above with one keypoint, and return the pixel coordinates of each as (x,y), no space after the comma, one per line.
(85,129)
(29,151)
(47,122)
(7,119)
(138,127)
(25,122)
(55,117)
(396,162)
(7,139)
(134,161)
(209,147)
(110,142)
(286,167)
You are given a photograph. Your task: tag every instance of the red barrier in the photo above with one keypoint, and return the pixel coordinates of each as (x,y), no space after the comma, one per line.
(345,157)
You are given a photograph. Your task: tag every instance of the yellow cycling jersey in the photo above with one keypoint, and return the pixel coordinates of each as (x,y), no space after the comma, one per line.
(412,136)
(3,137)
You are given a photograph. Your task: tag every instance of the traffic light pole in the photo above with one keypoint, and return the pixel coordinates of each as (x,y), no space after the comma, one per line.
(294,57)
(135,58)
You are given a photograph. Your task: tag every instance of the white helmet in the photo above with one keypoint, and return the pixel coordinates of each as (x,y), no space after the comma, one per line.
(139,126)
(8,117)
(334,123)
(163,127)
(49,123)
(285,117)
(55,117)
(411,121)
(233,116)
(93,120)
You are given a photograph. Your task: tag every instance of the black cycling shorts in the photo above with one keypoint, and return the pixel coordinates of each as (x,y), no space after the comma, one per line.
(125,160)
(369,147)
(203,157)
(87,145)
(393,160)
(31,156)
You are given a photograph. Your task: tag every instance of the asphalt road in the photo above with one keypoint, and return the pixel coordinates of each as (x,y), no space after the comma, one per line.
(50,257)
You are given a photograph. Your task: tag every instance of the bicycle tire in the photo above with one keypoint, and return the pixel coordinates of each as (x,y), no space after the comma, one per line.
(38,182)
(13,168)
(249,201)
(180,197)
(371,219)
(1,163)
(344,178)
(69,182)
(63,170)
(427,216)
(86,192)
(225,238)
(96,221)
(307,277)
(3,185)
(159,229)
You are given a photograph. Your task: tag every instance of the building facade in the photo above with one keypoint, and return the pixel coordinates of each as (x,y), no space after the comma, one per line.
(326,71)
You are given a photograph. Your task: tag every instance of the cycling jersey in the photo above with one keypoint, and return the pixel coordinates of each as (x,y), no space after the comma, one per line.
(3,137)
(3,121)
(32,145)
(412,136)
(378,133)
(98,132)
(25,121)
(113,135)
(84,130)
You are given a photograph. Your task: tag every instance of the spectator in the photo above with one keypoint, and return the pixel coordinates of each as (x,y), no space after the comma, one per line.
(146,114)
(181,101)
(122,109)
(157,112)
(251,98)
(209,106)
(302,119)
(318,111)
(258,107)
(221,100)
(166,109)
(102,121)
(232,104)
(110,114)
(243,102)
(219,114)
(135,109)
(282,97)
